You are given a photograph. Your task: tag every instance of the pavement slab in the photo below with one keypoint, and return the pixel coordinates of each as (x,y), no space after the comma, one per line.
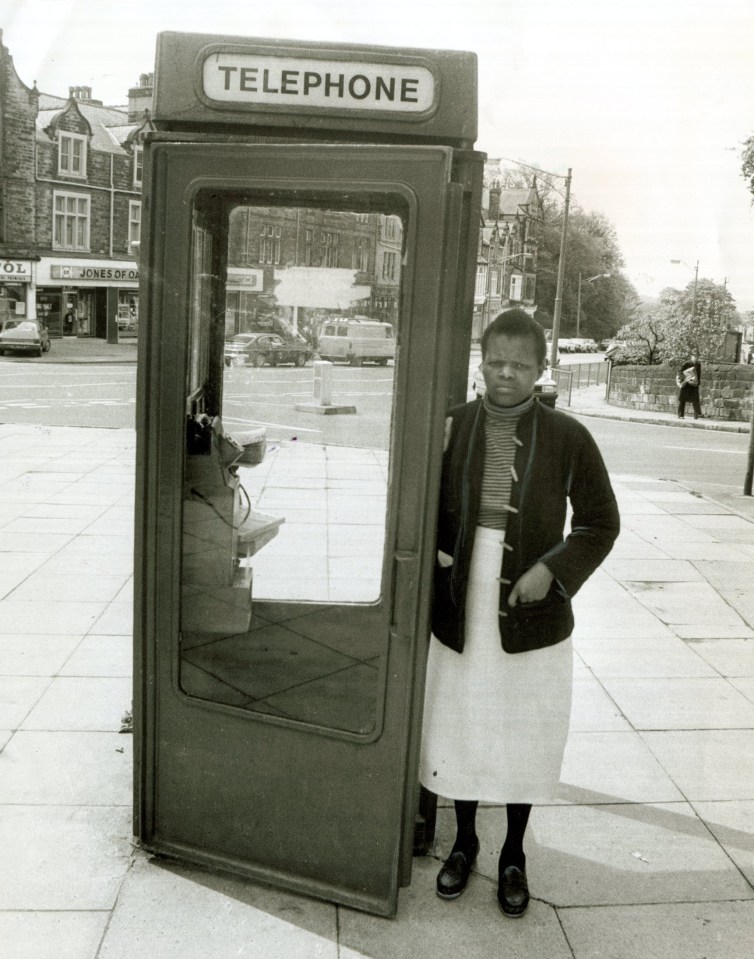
(730,657)
(63,857)
(732,824)
(24,654)
(685,603)
(603,855)
(707,764)
(215,916)
(685,703)
(712,930)
(81,703)
(471,926)
(50,934)
(593,710)
(595,765)
(75,768)
(669,660)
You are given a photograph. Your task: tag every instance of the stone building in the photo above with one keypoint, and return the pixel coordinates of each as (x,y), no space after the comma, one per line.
(507,255)
(70,206)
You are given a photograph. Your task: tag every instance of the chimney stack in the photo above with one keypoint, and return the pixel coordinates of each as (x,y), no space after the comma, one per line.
(140,98)
(494,201)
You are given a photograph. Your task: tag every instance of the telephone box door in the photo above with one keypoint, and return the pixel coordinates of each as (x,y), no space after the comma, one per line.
(285,508)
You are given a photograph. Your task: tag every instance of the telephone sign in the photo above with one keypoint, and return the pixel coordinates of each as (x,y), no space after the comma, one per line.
(277,83)
(317,84)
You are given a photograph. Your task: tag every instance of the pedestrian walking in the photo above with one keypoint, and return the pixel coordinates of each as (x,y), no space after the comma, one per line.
(499,671)
(688,381)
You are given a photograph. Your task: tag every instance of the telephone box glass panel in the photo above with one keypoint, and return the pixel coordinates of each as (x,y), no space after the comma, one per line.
(293,332)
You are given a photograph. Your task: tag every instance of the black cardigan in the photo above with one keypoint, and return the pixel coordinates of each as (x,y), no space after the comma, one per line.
(557,461)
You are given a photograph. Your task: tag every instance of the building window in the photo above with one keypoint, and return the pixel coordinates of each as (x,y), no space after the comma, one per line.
(72,154)
(270,244)
(392,227)
(481,279)
(134,222)
(494,282)
(388,266)
(138,165)
(70,221)
(308,247)
(332,243)
(360,259)
(516,286)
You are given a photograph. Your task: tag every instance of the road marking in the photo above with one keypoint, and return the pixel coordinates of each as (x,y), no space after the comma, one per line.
(705,449)
(277,426)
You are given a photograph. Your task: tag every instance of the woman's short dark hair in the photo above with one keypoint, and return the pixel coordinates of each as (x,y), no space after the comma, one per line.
(517,322)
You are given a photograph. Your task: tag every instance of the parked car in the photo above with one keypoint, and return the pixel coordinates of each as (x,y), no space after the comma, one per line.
(24,336)
(258,349)
(545,388)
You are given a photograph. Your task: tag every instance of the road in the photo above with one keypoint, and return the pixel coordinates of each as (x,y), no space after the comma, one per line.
(67,394)
(708,461)
(104,395)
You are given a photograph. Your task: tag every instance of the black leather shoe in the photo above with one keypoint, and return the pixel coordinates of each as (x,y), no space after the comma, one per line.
(452,878)
(513,892)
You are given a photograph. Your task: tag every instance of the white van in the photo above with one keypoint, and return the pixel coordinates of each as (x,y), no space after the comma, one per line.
(356,340)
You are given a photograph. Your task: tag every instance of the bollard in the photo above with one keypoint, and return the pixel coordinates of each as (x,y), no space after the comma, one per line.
(322,399)
(322,382)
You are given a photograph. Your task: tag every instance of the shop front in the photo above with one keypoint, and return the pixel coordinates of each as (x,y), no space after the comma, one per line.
(89,298)
(15,283)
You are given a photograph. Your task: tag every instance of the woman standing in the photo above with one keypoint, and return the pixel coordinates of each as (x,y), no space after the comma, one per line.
(499,674)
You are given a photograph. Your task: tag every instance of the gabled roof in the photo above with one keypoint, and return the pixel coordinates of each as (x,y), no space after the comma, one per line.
(511,201)
(110,126)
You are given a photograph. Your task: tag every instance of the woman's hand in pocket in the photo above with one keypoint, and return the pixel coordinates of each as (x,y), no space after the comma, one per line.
(532,587)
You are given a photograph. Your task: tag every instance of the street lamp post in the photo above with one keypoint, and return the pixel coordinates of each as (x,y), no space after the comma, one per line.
(561,273)
(591,279)
(696,281)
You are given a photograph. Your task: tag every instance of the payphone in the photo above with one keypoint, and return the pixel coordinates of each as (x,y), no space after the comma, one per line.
(283,559)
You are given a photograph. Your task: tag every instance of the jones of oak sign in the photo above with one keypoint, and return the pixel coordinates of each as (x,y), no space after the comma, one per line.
(319,84)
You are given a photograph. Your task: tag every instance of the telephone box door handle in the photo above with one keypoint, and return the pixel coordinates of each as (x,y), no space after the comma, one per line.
(405,580)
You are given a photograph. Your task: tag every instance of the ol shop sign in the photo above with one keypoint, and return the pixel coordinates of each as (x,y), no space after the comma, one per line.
(306,82)
(15,271)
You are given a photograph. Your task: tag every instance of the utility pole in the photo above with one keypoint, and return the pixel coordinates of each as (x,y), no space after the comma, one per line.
(749,477)
(693,295)
(561,273)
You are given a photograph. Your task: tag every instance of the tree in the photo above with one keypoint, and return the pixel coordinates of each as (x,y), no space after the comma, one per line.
(747,163)
(591,249)
(702,331)
(682,322)
(643,336)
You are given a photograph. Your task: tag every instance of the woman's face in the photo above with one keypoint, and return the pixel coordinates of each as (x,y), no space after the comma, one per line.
(510,369)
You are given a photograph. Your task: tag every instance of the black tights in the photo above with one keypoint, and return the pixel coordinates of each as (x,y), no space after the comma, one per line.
(512,853)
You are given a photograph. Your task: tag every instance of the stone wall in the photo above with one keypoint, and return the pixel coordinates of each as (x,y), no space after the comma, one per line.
(725,392)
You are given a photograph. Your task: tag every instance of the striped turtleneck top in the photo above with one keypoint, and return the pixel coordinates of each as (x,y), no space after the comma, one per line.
(500,424)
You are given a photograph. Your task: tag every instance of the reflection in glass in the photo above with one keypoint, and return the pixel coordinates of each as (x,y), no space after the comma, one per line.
(293,316)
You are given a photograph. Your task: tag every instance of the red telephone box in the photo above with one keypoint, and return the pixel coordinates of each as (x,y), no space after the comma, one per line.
(283,554)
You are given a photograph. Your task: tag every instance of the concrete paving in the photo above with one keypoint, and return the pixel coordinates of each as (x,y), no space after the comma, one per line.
(648,851)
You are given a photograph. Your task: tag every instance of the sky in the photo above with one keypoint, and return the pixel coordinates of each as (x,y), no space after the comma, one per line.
(648,102)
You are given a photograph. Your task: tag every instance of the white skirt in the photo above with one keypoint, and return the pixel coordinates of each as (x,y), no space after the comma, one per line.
(495,723)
